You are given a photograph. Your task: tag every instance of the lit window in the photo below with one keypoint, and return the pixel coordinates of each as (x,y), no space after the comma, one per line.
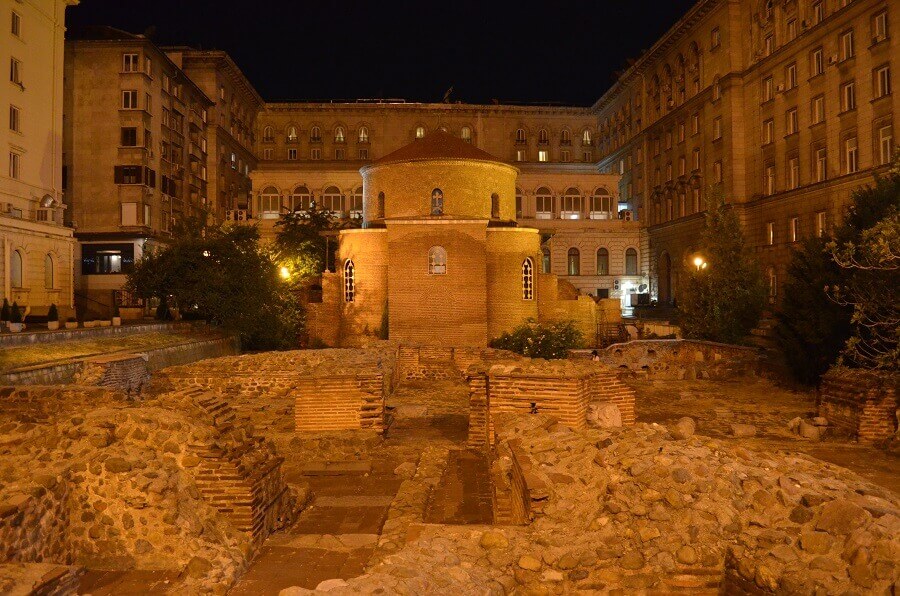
(820,224)
(363,136)
(847,45)
(437,260)
(821,164)
(602,261)
(437,202)
(885,144)
(571,204)
(543,203)
(420,132)
(631,262)
(520,155)
(851,156)
(15,269)
(349,281)
(339,134)
(292,134)
(818,109)
(795,229)
(527,279)
(543,155)
(586,138)
(574,262)
(770,233)
(466,134)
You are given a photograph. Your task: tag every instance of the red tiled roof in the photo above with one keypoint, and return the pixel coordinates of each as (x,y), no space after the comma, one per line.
(437,145)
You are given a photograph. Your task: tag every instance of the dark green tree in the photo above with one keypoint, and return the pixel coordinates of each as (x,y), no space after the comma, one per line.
(812,328)
(541,340)
(306,242)
(723,295)
(223,276)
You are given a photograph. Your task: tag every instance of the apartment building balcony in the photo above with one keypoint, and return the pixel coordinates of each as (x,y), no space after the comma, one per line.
(135,155)
(195,121)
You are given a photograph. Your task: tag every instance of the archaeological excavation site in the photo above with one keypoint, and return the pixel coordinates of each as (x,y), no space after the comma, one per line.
(397,469)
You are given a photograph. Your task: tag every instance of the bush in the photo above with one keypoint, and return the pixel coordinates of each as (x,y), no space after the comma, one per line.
(541,340)
(162,311)
(4,312)
(116,312)
(53,313)
(16,315)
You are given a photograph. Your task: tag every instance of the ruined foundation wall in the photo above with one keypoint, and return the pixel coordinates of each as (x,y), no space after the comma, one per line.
(681,359)
(860,403)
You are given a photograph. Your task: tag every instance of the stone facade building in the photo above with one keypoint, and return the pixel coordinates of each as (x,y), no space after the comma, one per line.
(36,250)
(786,105)
(440,259)
(314,151)
(135,156)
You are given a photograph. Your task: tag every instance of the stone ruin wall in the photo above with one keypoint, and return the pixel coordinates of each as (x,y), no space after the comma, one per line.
(861,403)
(434,363)
(678,359)
(348,402)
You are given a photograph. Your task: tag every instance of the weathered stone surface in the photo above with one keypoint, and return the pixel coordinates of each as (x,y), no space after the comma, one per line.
(841,516)
(683,429)
(743,430)
(603,415)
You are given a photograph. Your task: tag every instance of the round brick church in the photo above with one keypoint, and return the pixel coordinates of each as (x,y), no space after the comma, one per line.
(439,260)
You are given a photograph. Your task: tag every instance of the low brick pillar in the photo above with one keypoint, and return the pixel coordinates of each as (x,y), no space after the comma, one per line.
(606,386)
(332,403)
(860,402)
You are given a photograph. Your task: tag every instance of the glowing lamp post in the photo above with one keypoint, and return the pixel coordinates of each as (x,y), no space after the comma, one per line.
(285,273)
(700,263)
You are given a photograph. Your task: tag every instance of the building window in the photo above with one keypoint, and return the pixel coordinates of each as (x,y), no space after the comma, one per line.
(695,124)
(268,153)
(571,204)
(545,260)
(292,136)
(49,272)
(520,136)
(349,281)
(15,71)
(292,153)
(818,11)
(574,262)
(586,139)
(527,279)
(315,153)
(631,263)
(696,159)
(717,128)
(820,224)
(564,156)
(543,155)
(773,284)
(333,201)
(882,81)
(848,96)
(520,155)
(818,61)
(602,261)
(791,29)
(16,269)
(315,135)
(14,165)
(129,214)
(768,131)
(793,172)
(821,164)
(380,212)
(437,260)
(879,26)
(339,154)
(300,200)
(363,136)
(16,24)
(818,109)
(768,90)
(851,156)
(715,38)
(269,203)
(543,204)
(130,62)
(769,44)
(420,132)
(795,229)
(847,45)
(268,134)
(129,99)
(717,172)
(790,76)
(770,180)
(15,119)
(129,137)
(792,121)
(770,233)
(339,134)
(543,137)
(885,144)
(356,204)
(362,154)
(437,202)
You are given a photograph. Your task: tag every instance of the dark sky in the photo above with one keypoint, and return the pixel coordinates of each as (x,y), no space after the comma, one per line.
(562,52)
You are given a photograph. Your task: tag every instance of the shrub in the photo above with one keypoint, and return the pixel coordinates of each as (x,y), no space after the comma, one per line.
(116,312)
(53,313)
(16,315)
(541,340)
(4,312)
(162,311)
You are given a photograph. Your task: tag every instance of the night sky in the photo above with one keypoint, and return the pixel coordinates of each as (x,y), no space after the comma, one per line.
(562,52)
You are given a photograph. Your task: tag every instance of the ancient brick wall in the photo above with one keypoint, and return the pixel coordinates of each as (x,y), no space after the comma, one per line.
(430,362)
(507,249)
(361,319)
(34,525)
(125,372)
(347,402)
(861,403)
(606,386)
(681,359)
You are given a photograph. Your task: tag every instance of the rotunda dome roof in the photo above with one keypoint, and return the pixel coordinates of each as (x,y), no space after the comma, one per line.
(437,145)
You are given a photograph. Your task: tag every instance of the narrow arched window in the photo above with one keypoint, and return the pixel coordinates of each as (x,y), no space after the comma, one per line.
(349,281)
(437,202)
(574,262)
(571,204)
(586,138)
(420,132)
(520,135)
(437,260)
(495,206)
(333,201)
(268,134)
(49,272)
(292,134)
(339,134)
(631,264)
(566,137)
(545,260)
(527,279)
(300,200)
(466,134)
(380,211)
(315,134)
(269,203)
(15,269)
(602,261)
(543,137)
(363,134)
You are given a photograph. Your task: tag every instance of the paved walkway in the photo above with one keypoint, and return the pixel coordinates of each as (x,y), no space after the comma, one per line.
(337,533)
(127,583)
(464,495)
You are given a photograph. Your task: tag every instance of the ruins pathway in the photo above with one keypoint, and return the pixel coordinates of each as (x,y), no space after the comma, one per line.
(336,534)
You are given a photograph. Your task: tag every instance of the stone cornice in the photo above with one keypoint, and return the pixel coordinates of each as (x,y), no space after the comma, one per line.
(430,108)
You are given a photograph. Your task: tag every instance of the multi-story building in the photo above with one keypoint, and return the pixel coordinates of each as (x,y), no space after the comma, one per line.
(36,250)
(136,146)
(232,129)
(314,151)
(786,106)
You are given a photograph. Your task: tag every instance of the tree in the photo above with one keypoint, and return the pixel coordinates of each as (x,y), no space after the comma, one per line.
(541,340)
(723,296)
(813,328)
(222,275)
(302,244)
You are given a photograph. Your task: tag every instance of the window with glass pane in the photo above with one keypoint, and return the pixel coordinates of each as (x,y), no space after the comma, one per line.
(602,261)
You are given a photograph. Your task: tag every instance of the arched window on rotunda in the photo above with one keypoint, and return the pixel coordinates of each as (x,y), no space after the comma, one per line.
(527,279)
(437,260)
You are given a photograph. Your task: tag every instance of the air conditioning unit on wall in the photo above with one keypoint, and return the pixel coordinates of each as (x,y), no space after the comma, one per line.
(626,215)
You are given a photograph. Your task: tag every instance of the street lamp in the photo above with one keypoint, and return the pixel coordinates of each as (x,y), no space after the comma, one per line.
(699,263)
(285,273)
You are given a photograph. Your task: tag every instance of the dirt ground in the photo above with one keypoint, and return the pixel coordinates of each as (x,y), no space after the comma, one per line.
(716,405)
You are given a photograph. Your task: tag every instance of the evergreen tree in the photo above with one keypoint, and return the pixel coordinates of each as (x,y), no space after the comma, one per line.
(723,295)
